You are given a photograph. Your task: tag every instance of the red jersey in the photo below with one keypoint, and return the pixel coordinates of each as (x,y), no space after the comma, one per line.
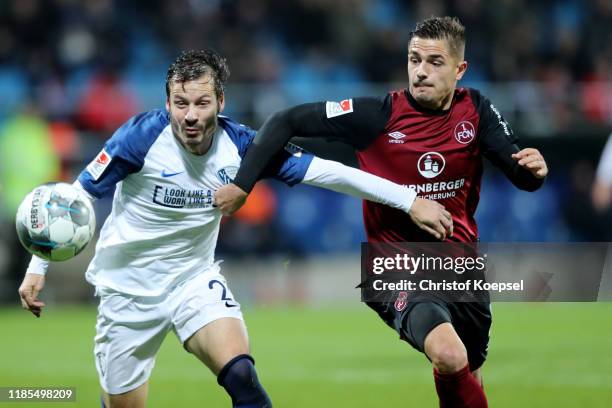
(437,152)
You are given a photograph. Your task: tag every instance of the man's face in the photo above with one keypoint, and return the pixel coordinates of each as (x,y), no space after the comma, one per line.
(193,107)
(433,72)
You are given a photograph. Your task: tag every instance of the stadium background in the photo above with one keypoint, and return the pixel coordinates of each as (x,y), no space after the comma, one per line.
(72,71)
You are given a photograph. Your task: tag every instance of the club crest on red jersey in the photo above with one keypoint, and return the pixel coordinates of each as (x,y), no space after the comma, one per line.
(464,132)
(401,302)
(431,164)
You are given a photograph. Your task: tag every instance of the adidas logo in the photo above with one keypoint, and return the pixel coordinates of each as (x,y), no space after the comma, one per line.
(396,137)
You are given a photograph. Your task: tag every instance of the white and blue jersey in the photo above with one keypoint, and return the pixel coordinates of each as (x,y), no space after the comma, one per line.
(163,228)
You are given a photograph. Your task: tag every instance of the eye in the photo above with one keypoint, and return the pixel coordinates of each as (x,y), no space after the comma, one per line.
(204,103)
(437,64)
(180,104)
(413,60)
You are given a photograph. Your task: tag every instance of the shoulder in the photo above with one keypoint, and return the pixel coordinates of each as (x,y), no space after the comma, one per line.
(490,116)
(146,124)
(242,136)
(468,95)
(396,95)
(132,140)
(480,101)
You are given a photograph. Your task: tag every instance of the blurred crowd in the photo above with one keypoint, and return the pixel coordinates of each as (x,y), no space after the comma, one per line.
(72,57)
(72,71)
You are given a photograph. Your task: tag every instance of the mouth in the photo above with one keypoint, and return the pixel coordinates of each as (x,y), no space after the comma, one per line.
(192,132)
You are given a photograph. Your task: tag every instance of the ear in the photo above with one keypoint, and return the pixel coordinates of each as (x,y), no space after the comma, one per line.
(461,68)
(168,104)
(221,102)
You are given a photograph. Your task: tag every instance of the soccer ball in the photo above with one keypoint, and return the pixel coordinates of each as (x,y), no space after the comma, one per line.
(55,221)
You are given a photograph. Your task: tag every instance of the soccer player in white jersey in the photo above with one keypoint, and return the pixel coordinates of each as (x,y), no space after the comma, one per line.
(154,267)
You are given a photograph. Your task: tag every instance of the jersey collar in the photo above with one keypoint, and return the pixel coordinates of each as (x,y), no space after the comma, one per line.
(416,106)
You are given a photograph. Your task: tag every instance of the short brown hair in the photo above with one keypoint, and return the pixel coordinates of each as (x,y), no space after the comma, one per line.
(191,65)
(442,28)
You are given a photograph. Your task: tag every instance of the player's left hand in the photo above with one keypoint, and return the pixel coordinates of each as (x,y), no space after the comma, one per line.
(28,292)
(230,198)
(532,160)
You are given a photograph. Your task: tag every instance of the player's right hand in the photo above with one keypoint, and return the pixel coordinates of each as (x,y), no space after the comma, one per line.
(432,217)
(28,292)
(229,198)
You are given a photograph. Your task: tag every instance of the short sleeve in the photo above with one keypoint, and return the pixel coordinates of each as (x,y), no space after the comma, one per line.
(123,153)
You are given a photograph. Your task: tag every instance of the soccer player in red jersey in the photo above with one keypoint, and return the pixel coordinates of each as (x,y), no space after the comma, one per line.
(432,137)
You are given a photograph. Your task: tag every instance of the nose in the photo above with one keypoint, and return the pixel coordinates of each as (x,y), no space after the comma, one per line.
(191,116)
(420,71)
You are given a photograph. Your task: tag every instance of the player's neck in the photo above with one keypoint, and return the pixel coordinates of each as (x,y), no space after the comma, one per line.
(203,147)
(447,102)
(434,109)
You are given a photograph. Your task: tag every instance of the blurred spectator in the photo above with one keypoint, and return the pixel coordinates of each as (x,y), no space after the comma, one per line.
(106,103)
(601,192)
(287,44)
(587,223)
(27,159)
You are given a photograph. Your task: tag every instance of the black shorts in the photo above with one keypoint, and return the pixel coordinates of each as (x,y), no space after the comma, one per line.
(471,321)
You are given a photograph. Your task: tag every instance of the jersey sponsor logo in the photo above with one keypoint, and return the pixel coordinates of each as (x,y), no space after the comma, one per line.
(401,302)
(439,190)
(448,188)
(164,174)
(396,137)
(464,132)
(99,164)
(177,197)
(333,109)
(431,164)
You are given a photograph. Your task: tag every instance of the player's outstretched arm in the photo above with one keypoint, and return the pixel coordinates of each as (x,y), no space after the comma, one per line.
(356,122)
(28,292)
(432,217)
(428,215)
(525,168)
(532,160)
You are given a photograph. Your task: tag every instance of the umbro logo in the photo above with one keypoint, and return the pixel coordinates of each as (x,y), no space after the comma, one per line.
(396,137)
